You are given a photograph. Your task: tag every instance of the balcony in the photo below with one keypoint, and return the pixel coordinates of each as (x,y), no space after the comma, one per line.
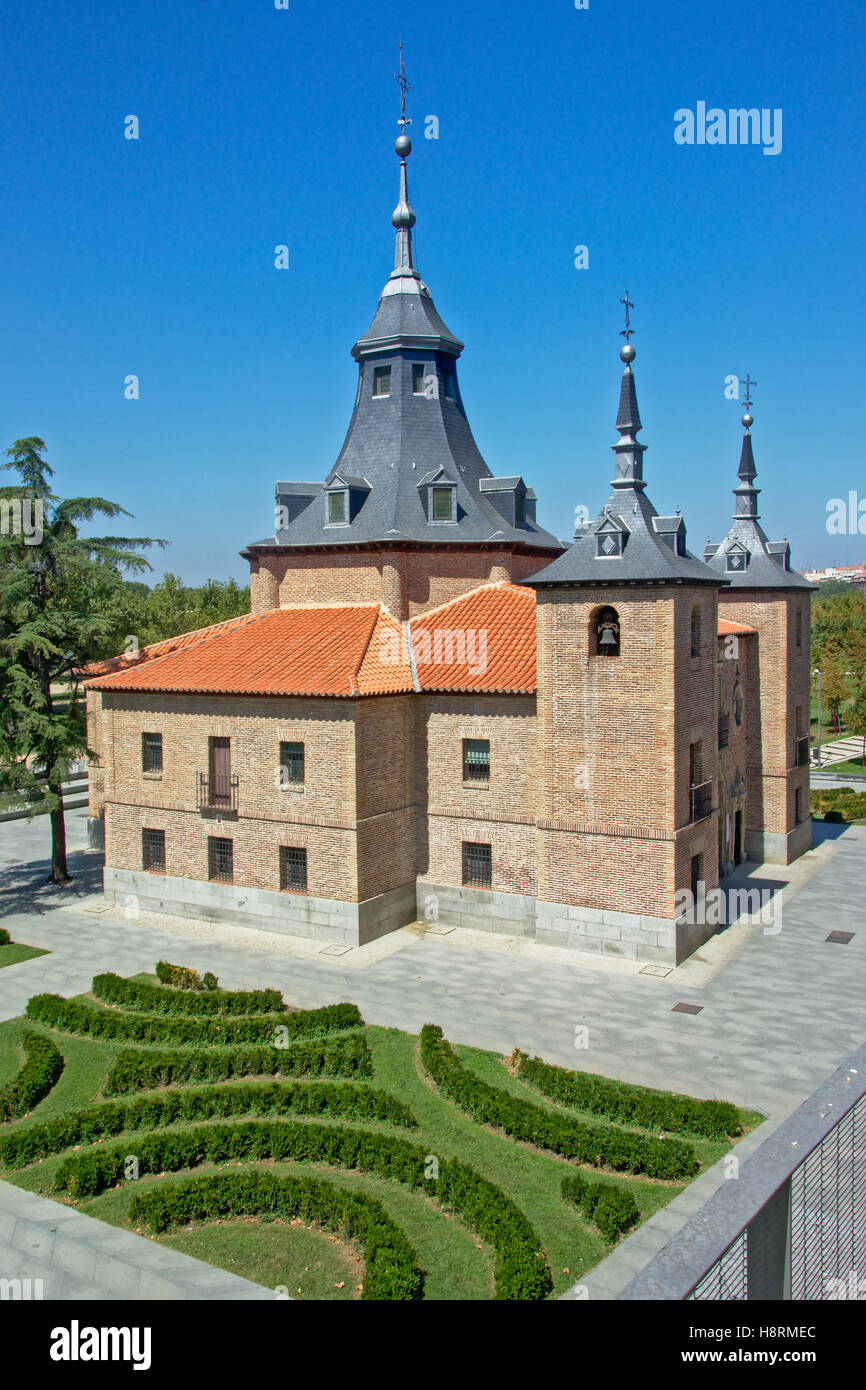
(217,793)
(700,801)
(802,752)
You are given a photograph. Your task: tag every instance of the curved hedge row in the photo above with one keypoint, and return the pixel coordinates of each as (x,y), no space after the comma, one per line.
(520,1268)
(391,1266)
(97,1122)
(611,1209)
(183,976)
(156,999)
(616,1100)
(40,1073)
(73,1017)
(145,1071)
(601,1146)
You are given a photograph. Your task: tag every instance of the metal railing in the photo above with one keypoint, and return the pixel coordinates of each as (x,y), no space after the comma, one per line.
(217,792)
(793,1224)
(802,752)
(700,801)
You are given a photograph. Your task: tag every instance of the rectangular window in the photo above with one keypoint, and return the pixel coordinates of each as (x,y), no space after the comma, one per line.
(293,870)
(724,730)
(291,764)
(696,764)
(476,760)
(477,865)
(381,381)
(697,876)
(418,378)
(151,752)
(798,805)
(153,851)
(220,787)
(443,507)
(799,626)
(336,508)
(220,860)
(696,633)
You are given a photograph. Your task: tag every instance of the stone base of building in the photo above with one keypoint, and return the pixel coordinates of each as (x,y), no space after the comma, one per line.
(766,848)
(96,832)
(599,931)
(322,919)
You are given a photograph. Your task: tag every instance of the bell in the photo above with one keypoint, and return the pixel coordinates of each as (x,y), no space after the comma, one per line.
(607,640)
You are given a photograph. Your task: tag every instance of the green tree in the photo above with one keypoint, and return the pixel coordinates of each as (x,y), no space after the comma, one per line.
(56,587)
(857,720)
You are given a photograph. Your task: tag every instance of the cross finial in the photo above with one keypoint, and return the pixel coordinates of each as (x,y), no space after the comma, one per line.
(405,86)
(749,384)
(628,330)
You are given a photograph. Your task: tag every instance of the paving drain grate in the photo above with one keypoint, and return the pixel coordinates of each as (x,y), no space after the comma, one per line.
(437,929)
(335,951)
(659,970)
(842,937)
(687,1008)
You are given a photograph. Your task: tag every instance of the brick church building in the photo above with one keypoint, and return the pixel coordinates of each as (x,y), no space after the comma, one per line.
(435,710)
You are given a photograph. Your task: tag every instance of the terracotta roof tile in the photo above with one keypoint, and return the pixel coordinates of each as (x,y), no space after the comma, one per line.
(726,627)
(483,641)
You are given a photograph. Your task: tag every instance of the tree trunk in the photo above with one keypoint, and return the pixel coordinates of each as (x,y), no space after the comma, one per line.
(59,872)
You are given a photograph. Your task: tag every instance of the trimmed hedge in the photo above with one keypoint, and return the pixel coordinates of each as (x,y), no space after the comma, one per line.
(40,1073)
(391,1266)
(155,999)
(521,1271)
(145,1071)
(838,804)
(96,1122)
(73,1017)
(602,1146)
(630,1105)
(183,976)
(611,1209)
(5,938)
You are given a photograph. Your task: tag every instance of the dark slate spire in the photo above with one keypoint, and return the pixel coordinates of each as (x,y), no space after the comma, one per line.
(628,542)
(745,557)
(403,217)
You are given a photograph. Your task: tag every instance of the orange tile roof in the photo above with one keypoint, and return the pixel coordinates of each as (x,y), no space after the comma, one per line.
(483,641)
(169,644)
(726,627)
(285,651)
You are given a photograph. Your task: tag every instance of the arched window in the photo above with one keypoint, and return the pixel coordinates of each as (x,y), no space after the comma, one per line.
(606,632)
(696,632)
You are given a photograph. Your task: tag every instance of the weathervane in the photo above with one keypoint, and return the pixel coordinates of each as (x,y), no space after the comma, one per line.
(405,86)
(627,331)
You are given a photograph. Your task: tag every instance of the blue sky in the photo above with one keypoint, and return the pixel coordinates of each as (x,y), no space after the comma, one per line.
(261,126)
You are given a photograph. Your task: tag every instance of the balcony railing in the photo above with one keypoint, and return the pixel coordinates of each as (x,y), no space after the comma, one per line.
(701,800)
(802,751)
(724,730)
(216,792)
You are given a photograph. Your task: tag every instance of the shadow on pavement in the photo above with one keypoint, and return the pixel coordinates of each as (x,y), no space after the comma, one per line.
(24,886)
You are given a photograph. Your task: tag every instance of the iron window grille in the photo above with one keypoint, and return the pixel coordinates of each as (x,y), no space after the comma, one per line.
(153,851)
(477,865)
(217,792)
(476,760)
(701,801)
(724,730)
(220,860)
(292,760)
(151,752)
(293,870)
(803,751)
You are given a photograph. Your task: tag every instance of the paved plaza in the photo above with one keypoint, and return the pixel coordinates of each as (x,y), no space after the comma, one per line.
(779,1010)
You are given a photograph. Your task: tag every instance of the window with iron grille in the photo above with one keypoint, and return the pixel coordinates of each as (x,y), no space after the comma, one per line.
(220,859)
(418,378)
(292,764)
(151,752)
(724,730)
(799,623)
(382,381)
(476,760)
(153,851)
(696,632)
(293,870)
(477,865)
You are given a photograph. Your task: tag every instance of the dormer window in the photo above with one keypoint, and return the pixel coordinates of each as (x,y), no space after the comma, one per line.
(519,508)
(418,379)
(338,508)
(381,381)
(442,503)
(737,560)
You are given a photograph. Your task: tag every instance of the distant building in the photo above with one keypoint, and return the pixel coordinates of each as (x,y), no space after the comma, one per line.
(852,574)
(436,710)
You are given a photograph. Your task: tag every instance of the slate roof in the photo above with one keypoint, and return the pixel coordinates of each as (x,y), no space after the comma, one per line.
(395,440)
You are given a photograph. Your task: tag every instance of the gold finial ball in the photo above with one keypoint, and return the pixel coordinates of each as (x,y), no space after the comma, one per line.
(747,420)
(627,353)
(403,146)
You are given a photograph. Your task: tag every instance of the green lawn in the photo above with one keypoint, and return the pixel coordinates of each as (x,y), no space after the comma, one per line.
(856,767)
(14,953)
(315,1264)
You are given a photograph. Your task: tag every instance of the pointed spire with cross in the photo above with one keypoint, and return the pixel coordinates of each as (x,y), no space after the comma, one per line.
(403,218)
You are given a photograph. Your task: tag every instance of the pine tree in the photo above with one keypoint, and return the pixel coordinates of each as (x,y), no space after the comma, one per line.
(56,588)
